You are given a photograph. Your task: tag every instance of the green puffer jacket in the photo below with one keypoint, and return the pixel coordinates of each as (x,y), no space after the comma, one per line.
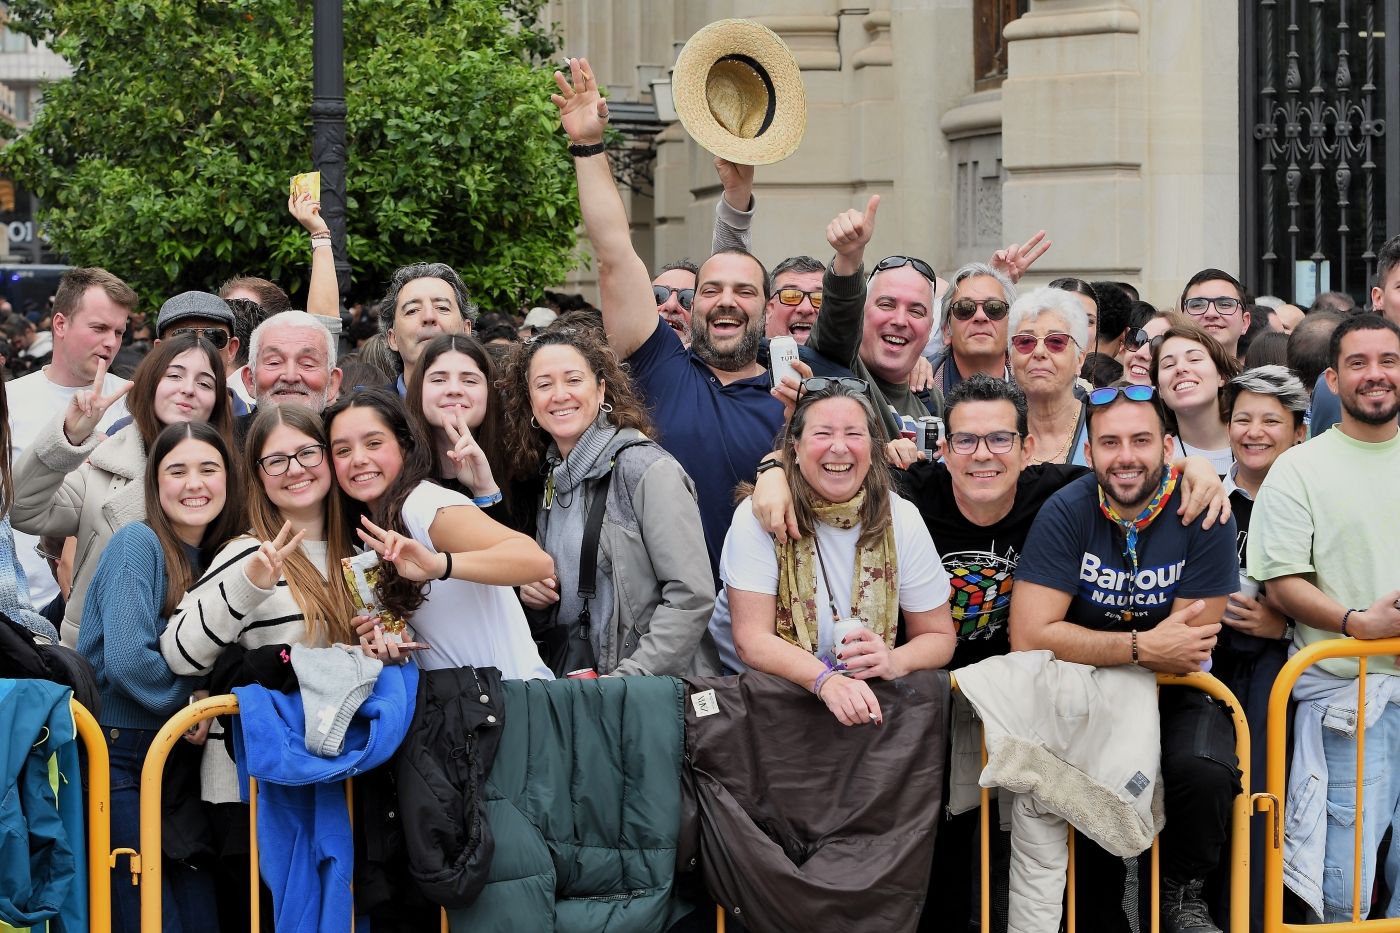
(584,802)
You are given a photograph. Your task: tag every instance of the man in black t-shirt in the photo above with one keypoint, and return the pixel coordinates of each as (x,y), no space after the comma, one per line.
(1107,578)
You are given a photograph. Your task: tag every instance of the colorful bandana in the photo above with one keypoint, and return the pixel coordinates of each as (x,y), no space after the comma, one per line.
(1132,526)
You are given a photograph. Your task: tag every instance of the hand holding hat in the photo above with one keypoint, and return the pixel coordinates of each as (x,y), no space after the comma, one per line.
(582,110)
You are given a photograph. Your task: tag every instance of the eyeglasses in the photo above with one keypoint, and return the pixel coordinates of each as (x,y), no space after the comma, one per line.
(998,442)
(965,308)
(895,262)
(1100,397)
(308,457)
(1223,303)
(686,296)
(793,297)
(219,338)
(829,383)
(1025,344)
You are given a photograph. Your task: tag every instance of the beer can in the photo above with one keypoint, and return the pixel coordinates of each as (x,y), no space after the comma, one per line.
(583,673)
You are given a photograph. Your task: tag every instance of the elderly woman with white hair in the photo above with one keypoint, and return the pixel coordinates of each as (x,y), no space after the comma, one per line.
(1048,331)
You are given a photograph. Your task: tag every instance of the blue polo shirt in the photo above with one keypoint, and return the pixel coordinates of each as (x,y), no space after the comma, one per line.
(718,432)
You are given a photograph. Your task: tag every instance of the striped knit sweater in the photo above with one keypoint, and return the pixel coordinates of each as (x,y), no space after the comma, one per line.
(223,608)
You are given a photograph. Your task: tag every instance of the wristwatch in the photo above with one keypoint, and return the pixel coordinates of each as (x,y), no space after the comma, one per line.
(581,151)
(769,464)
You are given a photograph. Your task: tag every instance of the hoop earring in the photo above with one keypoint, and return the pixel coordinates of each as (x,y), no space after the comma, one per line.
(533,423)
(605,408)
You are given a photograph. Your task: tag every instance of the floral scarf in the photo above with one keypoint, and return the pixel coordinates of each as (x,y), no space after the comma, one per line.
(874,585)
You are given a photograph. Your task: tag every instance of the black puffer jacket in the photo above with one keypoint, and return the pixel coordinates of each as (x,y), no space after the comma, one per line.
(442,769)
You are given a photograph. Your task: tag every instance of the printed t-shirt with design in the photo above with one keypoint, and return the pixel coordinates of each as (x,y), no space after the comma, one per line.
(981,560)
(718,432)
(1075,549)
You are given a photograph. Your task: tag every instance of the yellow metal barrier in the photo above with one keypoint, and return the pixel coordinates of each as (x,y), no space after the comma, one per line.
(99,828)
(1272,801)
(1239,822)
(146,871)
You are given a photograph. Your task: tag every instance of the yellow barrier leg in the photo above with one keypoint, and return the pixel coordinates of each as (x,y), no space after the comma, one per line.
(99,782)
(254,872)
(1357,824)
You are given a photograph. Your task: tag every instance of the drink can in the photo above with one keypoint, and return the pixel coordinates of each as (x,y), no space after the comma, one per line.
(583,673)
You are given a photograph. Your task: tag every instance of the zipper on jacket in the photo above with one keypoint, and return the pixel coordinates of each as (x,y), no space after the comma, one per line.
(629,896)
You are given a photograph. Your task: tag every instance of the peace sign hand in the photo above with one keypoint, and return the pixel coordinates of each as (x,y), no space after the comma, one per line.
(473,470)
(86,408)
(582,110)
(265,568)
(412,560)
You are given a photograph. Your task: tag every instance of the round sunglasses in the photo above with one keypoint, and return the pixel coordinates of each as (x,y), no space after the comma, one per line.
(1025,344)
(686,296)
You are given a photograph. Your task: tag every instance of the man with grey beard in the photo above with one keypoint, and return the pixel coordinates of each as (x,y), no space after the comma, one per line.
(291,358)
(710,402)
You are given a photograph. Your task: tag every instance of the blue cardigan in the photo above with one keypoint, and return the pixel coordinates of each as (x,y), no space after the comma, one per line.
(120,633)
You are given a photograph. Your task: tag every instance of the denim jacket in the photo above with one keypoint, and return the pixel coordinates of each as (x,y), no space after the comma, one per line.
(1324,702)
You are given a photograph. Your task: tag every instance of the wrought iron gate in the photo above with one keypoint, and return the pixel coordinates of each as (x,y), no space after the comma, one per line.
(1320,143)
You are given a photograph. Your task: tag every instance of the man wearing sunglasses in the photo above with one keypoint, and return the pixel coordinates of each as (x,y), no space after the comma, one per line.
(877,328)
(1108,579)
(974,317)
(202,313)
(796,298)
(1215,299)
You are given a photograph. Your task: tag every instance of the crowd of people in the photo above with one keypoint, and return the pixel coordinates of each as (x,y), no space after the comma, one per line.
(554,493)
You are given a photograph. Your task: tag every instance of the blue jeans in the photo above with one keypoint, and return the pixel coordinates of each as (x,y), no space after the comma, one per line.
(1380,808)
(187,893)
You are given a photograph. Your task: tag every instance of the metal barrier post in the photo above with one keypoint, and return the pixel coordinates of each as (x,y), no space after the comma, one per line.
(1273,800)
(151,771)
(99,829)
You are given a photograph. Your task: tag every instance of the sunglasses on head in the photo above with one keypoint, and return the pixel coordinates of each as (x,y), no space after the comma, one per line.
(219,338)
(964,309)
(792,297)
(1025,344)
(1139,339)
(1100,397)
(818,384)
(894,262)
(686,296)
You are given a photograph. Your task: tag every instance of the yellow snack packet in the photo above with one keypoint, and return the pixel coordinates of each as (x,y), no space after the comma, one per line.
(361,575)
(306,183)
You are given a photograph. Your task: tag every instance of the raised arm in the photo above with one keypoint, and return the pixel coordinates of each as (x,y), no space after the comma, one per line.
(734,211)
(629,308)
(323,295)
(836,333)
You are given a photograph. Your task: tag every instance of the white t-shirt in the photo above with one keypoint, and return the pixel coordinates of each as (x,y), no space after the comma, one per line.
(1222,459)
(34,402)
(750,563)
(467,624)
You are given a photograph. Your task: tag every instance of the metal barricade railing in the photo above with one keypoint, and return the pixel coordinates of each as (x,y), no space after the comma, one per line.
(146,871)
(1239,822)
(1276,790)
(99,826)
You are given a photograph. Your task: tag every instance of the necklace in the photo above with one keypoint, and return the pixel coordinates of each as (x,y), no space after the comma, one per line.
(1069,440)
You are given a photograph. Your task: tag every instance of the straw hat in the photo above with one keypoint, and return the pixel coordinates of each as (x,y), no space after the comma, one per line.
(739,93)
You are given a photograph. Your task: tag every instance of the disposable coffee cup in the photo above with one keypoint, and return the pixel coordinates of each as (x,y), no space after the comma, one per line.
(1249,588)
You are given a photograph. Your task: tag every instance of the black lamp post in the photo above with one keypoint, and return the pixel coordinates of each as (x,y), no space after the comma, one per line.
(328,121)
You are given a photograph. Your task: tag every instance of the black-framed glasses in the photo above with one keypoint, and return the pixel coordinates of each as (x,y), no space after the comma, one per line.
(686,296)
(998,442)
(894,262)
(1134,393)
(1223,304)
(1055,342)
(792,297)
(219,338)
(965,309)
(277,464)
(818,384)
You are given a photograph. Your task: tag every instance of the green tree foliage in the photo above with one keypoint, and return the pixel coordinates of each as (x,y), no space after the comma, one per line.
(165,158)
